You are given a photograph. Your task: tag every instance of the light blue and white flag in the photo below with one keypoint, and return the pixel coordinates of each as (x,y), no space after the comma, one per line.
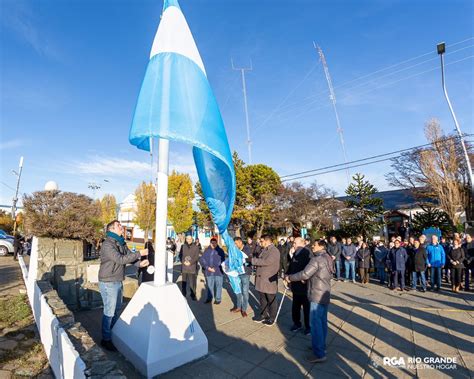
(176,103)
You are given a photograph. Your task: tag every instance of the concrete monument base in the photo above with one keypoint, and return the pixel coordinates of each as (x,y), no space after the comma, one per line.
(157,331)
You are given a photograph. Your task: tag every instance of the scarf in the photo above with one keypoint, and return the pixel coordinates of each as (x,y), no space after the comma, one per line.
(116,237)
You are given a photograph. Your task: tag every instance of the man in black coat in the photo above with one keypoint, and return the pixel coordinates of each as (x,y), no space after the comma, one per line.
(419,266)
(335,251)
(468,247)
(189,256)
(298,262)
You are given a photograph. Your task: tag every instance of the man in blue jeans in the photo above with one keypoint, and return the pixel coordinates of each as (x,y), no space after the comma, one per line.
(243,296)
(349,252)
(436,260)
(211,261)
(318,272)
(114,255)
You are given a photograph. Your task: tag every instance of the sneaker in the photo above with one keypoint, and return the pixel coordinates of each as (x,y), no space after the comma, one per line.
(217,302)
(268,322)
(423,290)
(208,301)
(258,319)
(295,328)
(314,359)
(108,345)
(353,281)
(307,332)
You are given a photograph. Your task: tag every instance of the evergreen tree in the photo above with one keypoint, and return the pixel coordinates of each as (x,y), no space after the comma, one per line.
(364,210)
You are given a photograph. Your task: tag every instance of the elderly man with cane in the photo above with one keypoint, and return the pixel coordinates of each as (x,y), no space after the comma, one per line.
(318,273)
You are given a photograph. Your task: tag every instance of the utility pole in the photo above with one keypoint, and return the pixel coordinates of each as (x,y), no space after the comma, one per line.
(332,97)
(244,89)
(15,199)
(441,48)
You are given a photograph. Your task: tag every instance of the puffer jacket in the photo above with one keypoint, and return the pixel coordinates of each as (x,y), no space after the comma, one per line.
(113,258)
(436,255)
(318,272)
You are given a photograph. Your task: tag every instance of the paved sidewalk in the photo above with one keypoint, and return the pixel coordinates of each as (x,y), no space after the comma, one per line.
(366,324)
(21,352)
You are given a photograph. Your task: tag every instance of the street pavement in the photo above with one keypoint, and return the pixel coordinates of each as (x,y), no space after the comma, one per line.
(366,324)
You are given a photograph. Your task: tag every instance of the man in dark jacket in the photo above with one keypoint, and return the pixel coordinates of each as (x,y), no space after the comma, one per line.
(380,257)
(363,258)
(283,256)
(335,251)
(318,272)
(299,289)
(114,255)
(243,297)
(397,258)
(266,281)
(189,256)
(468,247)
(419,266)
(349,252)
(211,261)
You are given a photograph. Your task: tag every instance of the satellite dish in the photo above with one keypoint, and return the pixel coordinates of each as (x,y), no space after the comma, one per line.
(51,186)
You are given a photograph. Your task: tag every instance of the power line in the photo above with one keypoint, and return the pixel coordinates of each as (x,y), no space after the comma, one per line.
(383,69)
(288,177)
(9,187)
(307,107)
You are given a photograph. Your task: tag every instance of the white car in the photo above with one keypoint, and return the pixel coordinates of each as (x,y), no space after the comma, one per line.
(6,247)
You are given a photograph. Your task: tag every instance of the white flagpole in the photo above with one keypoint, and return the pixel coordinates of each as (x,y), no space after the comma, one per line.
(161,212)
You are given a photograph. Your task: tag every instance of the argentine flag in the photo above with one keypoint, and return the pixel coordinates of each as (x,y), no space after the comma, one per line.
(176,103)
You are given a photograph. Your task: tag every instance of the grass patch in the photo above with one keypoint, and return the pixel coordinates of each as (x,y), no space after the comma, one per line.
(15,311)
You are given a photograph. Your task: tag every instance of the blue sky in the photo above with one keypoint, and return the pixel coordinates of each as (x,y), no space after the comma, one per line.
(71,72)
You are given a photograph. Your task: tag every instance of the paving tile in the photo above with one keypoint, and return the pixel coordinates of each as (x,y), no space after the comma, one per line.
(205,369)
(289,362)
(261,373)
(248,352)
(230,363)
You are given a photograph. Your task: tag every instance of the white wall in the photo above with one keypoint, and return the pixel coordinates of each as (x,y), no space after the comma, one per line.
(63,357)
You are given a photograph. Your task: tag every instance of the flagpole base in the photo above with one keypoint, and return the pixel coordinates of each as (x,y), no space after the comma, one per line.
(157,331)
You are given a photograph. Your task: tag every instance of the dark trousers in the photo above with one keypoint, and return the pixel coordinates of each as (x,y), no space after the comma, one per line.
(396,275)
(456,274)
(364,275)
(188,280)
(268,306)
(300,300)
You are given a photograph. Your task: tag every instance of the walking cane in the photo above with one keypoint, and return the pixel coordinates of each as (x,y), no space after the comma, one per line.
(281,303)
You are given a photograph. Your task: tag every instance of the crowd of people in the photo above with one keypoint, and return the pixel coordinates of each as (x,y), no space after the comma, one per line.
(306,268)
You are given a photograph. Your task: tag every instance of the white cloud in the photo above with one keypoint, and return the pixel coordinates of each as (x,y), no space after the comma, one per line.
(112,166)
(11,144)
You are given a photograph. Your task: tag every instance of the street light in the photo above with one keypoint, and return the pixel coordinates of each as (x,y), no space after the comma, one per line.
(441,48)
(15,199)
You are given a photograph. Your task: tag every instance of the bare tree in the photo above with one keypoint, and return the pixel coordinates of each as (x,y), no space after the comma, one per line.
(438,172)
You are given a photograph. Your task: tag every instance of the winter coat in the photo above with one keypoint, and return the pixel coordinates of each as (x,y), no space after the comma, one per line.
(380,255)
(268,265)
(335,249)
(143,271)
(318,273)
(469,254)
(349,251)
(297,263)
(397,259)
(283,256)
(457,255)
(363,257)
(113,258)
(410,265)
(212,258)
(189,253)
(420,259)
(436,256)
(248,261)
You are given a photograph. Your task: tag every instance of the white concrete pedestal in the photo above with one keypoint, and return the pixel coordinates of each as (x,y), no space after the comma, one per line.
(157,331)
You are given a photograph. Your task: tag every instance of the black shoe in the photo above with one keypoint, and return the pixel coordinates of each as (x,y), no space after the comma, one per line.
(295,328)
(268,322)
(422,290)
(207,301)
(307,332)
(108,345)
(217,302)
(193,298)
(258,319)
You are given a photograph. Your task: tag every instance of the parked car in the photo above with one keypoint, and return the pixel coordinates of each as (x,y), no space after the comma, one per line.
(4,234)
(6,247)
